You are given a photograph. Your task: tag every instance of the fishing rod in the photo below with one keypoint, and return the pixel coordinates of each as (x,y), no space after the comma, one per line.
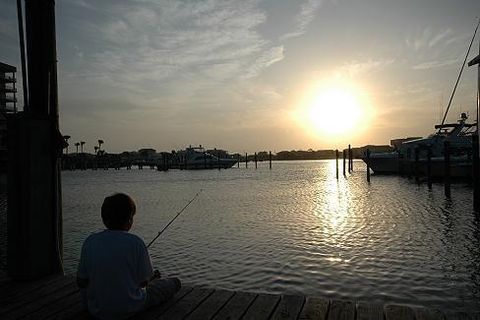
(176,216)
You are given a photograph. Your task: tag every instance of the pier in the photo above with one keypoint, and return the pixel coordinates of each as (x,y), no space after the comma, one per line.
(57,297)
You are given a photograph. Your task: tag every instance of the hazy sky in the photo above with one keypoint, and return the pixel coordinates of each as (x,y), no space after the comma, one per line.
(244,75)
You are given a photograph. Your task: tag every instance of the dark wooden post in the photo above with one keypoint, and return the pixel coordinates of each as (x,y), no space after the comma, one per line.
(368,165)
(416,166)
(344,160)
(446,173)
(349,158)
(270,159)
(246,160)
(336,163)
(476,173)
(429,167)
(255,160)
(34,213)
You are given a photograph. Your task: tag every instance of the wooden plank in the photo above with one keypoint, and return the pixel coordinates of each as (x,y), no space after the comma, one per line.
(39,295)
(369,311)
(186,305)
(13,290)
(262,307)
(69,305)
(459,316)
(156,311)
(341,310)
(37,304)
(289,307)
(428,314)
(212,305)
(396,312)
(236,306)
(315,308)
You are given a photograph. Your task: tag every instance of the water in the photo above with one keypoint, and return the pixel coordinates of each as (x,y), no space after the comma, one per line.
(295,229)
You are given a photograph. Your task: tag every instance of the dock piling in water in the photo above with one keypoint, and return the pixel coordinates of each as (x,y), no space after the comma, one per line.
(336,163)
(429,167)
(344,161)
(270,159)
(368,165)
(255,157)
(246,160)
(349,158)
(476,173)
(446,173)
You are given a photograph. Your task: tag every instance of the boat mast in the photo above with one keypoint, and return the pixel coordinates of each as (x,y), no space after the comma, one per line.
(458,78)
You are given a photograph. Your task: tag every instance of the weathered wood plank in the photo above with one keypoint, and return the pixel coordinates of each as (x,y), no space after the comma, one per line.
(289,307)
(262,307)
(41,295)
(211,305)
(459,316)
(428,314)
(68,305)
(397,312)
(186,305)
(15,289)
(156,311)
(236,306)
(314,308)
(45,300)
(341,310)
(369,311)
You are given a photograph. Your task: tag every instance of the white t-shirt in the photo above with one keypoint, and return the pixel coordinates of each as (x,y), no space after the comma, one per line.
(115,263)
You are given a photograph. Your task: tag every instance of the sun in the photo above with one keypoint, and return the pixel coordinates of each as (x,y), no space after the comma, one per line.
(335,109)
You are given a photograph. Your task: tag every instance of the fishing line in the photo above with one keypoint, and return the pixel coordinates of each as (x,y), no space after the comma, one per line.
(176,216)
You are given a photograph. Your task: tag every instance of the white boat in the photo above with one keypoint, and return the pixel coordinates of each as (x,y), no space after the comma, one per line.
(459,136)
(199,158)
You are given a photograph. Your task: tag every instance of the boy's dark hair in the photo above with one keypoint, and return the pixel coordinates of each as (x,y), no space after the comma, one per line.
(117,210)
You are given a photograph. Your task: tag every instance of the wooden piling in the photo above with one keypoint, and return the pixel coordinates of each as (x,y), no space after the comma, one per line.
(476,173)
(429,167)
(344,160)
(416,165)
(368,165)
(246,160)
(336,163)
(255,160)
(446,173)
(270,159)
(349,158)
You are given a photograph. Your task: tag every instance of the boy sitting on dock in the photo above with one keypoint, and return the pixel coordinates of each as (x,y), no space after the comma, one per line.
(115,273)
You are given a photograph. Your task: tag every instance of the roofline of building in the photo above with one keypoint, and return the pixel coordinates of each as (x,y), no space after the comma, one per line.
(7,68)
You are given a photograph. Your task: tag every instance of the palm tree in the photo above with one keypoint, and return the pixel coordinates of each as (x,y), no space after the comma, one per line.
(76,145)
(100,142)
(81,145)
(66,140)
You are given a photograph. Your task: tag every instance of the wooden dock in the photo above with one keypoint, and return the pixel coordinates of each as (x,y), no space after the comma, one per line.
(58,298)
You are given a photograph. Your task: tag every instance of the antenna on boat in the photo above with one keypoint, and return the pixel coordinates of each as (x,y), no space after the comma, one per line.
(176,216)
(458,78)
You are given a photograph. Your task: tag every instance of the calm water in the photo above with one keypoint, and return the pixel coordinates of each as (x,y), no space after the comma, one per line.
(295,229)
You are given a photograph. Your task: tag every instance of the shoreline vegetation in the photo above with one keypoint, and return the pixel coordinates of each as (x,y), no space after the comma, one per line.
(150,157)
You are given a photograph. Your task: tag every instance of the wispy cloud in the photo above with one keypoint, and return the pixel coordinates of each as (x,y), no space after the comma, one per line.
(145,45)
(304,18)
(356,67)
(435,64)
